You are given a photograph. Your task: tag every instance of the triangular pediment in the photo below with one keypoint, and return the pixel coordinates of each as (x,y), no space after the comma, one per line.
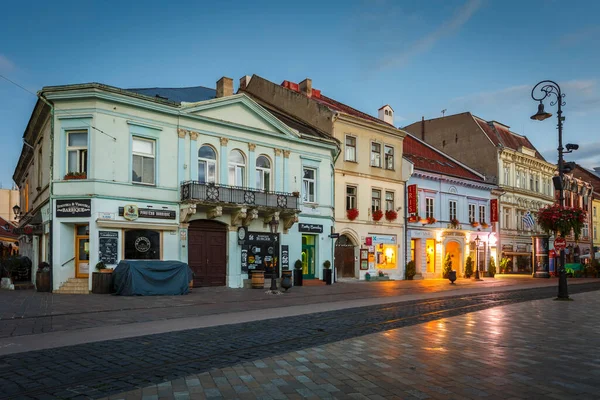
(241,111)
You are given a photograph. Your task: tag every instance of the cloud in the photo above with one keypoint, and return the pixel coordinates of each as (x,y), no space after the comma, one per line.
(5,64)
(588,155)
(580,36)
(426,43)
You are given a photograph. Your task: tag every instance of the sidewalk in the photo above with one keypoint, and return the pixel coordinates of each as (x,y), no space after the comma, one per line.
(42,320)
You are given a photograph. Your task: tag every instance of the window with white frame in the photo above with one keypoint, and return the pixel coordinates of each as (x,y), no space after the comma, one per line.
(531,182)
(507,218)
(207,164)
(585,232)
(482,214)
(471,213)
(375,154)
(429,207)
(452,209)
(389,201)
(351,197)
(594,212)
(143,161)
(537,183)
(507,175)
(237,168)
(263,173)
(595,233)
(518,179)
(389,157)
(309,185)
(350,148)
(77,150)
(375,200)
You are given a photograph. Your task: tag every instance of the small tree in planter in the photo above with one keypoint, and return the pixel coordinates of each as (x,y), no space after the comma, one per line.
(469,267)
(101,267)
(327,272)
(377,215)
(447,266)
(411,270)
(492,267)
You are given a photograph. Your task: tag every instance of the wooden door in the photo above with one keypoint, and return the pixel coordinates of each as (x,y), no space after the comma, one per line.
(82,253)
(207,253)
(344,257)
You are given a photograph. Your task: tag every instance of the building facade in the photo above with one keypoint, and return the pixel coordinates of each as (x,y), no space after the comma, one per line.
(369,176)
(177,174)
(448,212)
(506,159)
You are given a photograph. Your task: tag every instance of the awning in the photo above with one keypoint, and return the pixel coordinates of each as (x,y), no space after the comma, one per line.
(157,226)
(596,255)
(516,253)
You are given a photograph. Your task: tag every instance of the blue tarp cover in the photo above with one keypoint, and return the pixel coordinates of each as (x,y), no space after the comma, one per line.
(151,278)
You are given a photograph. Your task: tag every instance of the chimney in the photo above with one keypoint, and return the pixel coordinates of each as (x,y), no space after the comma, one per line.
(306,87)
(423,128)
(386,114)
(224,87)
(244,82)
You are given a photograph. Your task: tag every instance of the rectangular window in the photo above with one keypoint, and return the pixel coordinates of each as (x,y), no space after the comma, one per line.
(389,157)
(506,218)
(518,179)
(471,213)
(350,148)
(77,143)
(375,200)
(531,184)
(585,231)
(537,184)
(350,197)
(389,201)
(595,233)
(429,207)
(143,161)
(482,214)
(39,168)
(142,244)
(452,209)
(594,211)
(309,185)
(375,154)
(507,176)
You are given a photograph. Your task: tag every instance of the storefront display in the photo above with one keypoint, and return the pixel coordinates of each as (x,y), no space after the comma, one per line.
(142,244)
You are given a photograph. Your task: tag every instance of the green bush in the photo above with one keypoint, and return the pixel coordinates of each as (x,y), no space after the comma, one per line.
(469,267)
(492,267)
(505,265)
(447,266)
(411,270)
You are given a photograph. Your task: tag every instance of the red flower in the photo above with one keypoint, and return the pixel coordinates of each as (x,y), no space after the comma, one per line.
(391,215)
(377,215)
(352,214)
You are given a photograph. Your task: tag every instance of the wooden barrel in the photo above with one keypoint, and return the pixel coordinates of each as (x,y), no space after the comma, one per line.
(101,283)
(42,281)
(258,279)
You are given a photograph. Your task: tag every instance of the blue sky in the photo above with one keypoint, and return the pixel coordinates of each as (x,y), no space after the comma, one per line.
(421,57)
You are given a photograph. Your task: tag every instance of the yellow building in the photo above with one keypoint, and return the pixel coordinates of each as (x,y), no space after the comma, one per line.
(596,220)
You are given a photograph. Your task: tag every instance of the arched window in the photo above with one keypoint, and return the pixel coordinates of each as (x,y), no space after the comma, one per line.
(207,164)
(237,168)
(263,173)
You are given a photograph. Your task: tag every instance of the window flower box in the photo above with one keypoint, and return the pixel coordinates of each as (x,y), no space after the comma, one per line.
(474,224)
(391,215)
(352,214)
(431,220)
(454,223)
(75,175)
(484,225)
(377,215)
(414,218)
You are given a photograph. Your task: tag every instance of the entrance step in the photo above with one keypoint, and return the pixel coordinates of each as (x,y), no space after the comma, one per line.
(74,286)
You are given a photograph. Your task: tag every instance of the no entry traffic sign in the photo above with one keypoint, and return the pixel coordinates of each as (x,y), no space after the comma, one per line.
(560,244)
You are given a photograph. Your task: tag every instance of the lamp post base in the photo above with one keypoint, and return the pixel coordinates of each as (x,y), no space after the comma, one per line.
(563,290)
(477,277)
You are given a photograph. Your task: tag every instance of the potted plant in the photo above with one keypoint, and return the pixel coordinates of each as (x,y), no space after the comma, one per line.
(492,267)
(75,175)
(377,215)
(298,273)
(505,265)
(102,280)
(469,267)
(411,270)
(352,214)
(327,273)
(454,223)
(474,224)
(447,267)
(391,215)
(431,220)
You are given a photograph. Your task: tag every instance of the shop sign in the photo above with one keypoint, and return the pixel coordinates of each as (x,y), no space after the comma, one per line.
(260,237)
(106,215)
(73,208)
(285,256)
(368,240)
(384,239)
(494,210)
(244,260)
(413,199)
(310,228)
(132,212)
(108,245)
(421,234)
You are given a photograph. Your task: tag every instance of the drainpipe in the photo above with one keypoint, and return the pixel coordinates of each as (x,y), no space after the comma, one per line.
(338,150)
(50,190)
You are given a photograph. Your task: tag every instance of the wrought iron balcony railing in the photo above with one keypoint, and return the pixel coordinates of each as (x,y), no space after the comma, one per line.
(194,191)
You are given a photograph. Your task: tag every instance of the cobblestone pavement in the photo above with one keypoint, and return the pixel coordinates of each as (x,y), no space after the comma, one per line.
(29,312)
(530,350)
(103,368)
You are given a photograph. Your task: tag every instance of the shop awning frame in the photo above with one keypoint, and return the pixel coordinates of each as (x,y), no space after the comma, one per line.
(104,223)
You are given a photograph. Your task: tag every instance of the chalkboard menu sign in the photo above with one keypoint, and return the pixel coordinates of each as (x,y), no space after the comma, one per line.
(109,242)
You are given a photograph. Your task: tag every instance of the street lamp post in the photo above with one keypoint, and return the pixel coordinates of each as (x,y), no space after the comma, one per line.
(477,240)
(548,89)
(273,225)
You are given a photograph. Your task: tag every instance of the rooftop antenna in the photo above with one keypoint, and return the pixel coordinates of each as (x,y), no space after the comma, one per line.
(443,112)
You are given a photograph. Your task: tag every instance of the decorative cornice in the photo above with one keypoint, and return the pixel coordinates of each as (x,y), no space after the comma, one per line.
(251,146)
(286,154)
(181,133)
(277,152)
(224,141)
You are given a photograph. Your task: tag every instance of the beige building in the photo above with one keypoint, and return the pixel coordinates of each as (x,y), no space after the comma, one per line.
(8,199)
(506,159)
(369,174)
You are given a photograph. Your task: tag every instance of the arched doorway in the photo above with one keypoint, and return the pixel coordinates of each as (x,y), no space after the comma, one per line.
(344,257)
(454,250)
(207,252)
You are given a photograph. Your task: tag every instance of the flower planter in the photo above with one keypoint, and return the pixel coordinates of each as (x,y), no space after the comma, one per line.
(452,276)
(297,277)
(74,176)
(327,275)
(391,215)
(42,281)
(352,214)
(101,283)
(286,279)
(377,215)
(258,279)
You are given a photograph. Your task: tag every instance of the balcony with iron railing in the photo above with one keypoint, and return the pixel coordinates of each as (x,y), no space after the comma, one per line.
(236,196)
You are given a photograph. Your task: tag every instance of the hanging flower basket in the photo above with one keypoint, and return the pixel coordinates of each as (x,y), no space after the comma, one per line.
(564,220)
(377,215)
(431,220)
(391,215)
(474,224)
(352,214)
(414,218)
(454,223)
